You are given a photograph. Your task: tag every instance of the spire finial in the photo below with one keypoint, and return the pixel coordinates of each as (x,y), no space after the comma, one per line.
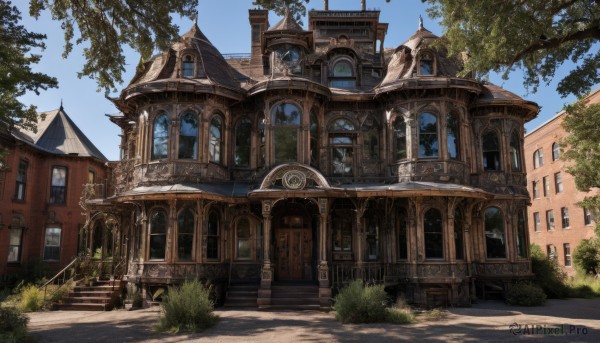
(420,22)
(287,12)
(61,106)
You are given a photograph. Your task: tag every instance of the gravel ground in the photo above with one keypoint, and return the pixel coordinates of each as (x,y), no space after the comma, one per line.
(572,320)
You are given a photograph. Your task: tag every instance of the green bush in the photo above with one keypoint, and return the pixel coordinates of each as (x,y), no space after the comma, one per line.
(525,294)
(187,308)
(13,325)
(32,299)
(586,256)
(398,315)
(548,274)
(359,304)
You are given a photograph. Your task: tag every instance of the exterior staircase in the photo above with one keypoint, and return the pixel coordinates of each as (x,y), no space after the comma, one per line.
(240,294)
(100,296)
(294,296)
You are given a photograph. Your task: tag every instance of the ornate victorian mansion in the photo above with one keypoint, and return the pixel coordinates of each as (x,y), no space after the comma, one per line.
(319,158)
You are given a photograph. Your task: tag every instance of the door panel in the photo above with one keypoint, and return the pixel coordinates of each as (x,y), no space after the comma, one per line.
(294,254)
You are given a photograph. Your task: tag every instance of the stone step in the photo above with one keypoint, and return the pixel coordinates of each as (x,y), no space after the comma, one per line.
(305,307)
(86,300)
(82,307)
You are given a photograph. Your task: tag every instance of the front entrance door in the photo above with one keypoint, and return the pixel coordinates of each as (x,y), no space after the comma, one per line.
(293,250)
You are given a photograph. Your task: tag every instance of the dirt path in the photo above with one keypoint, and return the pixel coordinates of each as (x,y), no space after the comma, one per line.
(573,320)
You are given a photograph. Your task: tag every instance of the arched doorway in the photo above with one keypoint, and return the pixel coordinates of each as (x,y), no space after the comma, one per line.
(295,240)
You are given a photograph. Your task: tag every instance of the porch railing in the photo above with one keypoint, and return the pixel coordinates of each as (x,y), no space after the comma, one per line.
(60,279)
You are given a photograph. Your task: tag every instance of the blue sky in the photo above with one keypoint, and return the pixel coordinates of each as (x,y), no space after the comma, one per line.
(225,23)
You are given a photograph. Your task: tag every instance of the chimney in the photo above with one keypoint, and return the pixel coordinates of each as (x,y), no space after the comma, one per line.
(363,4)
(259,23)
(325,5)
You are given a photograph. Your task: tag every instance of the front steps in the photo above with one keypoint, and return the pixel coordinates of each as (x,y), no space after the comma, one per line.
(101,296)
(294,296)
(241,294)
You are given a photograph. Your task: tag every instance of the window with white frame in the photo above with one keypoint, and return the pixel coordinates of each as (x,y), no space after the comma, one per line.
(537,222)
(558,184)
(538,158)
(52,244)
(21,180)
(550,220)
(58,186)
(564,214)
(567,254)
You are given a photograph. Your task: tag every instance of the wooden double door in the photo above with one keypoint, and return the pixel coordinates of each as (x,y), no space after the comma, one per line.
(293,248)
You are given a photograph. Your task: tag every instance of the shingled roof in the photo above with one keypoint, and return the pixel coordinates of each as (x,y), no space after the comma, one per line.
(57,134)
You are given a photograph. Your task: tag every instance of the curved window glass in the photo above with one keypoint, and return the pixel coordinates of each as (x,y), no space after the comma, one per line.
(491,150)
(428,138)
(243,139)
(515,152)
(434,235)
(453,136)
(289,56)
(399,139)
(426,64)
(158,235)
(185,235)
(212,236)
(188,136)
(495,241)
(342,68)
(314,140)
(286,118)
(243,235)
(160,137)
(342,147)
(215,139)
(187,67)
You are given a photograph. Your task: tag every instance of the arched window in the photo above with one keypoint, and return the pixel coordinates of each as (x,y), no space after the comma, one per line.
(243,235)
(188,136)
(342,146)
(286,118)
(458,234)
(160,138)
(491,150)
(212,236)
(215,139)
(428,137)
(185,235)
(555,151)
(426,64)
(399,139)
(515,152)
(187,66)
(453,136)
(538,158)
(243,142)
(434,235)
(371,140)
(314,139)
(402,224)
(521,235)
(342,75)
(158,235)
(495,240)
(289,56)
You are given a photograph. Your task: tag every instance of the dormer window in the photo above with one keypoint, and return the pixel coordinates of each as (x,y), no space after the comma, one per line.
(342,75)
(288,57)
(187,67)
(426,64)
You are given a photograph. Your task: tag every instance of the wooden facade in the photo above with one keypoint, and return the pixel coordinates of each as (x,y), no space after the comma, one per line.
(319,158)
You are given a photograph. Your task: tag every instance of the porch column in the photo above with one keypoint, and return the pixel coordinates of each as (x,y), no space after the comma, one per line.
(324,285)
(266,275)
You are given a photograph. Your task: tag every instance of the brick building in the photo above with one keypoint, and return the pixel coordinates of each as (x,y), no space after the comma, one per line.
(41,182)
(556,222)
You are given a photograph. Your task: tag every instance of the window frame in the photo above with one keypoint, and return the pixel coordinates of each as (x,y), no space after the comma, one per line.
(213,242)
(495,154)
(58,193)
(535,189)
(164,143)
(564,216)
(537,222)
(515,152)
(422,134)
(538,158)
(558,183)
(420,65)
(351,79)
(587,216)
(55,247)
(280,126)
(555,151)
(186,234)
(249,240)
(17,224)
(186,61)
(342,138)
(400,139)
(154,237)
(451,118)
(545,186)
(434,240)
(184,146)
(567,255)
(500,254)
(216,147)
(242,147)
(550,220)
(21,180)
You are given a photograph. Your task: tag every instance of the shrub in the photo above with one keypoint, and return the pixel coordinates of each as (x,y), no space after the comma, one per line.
(587,256)
(548,274)
(435,314)
(359,304)
(525,294)
(584,286)
(187,308)
(398,315)
(32,299)
(13,325)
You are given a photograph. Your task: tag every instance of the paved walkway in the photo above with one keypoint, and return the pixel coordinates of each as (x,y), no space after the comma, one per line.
(488,321)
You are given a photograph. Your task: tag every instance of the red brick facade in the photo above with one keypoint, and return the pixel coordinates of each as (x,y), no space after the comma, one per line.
(543,170)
